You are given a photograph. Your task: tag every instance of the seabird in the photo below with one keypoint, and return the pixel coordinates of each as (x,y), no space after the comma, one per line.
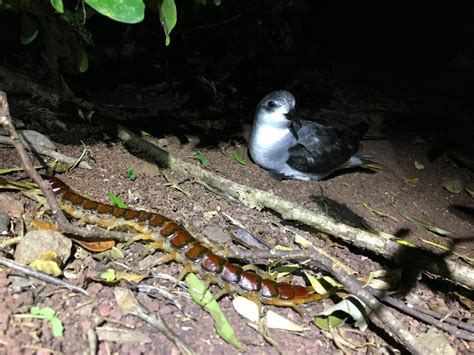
(290,147)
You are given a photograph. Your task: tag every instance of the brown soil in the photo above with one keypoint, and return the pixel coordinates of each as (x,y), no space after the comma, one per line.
(342,196)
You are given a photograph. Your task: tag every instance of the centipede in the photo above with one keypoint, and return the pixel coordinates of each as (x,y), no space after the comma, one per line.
(180,246)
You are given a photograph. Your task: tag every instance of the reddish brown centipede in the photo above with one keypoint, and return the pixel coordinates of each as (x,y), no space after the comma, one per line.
(182,247)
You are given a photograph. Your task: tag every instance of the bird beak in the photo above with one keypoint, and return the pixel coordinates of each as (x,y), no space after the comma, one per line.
(291,115)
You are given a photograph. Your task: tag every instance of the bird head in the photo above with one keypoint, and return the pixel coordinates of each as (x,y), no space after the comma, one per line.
(275,108)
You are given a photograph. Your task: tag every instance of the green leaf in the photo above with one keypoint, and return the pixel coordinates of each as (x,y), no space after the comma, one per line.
(324,284)
(29,29)
(388,236)
(82,60)
(168,17)
(284,270)
(223,327)
(238,158)
(108,275)
(378,213)
(116,201)
(57,327)
(440,246)
(131,175)
(428,226)
(58,5)
(200,157)
(352,306)
(5,5)
(328,322)
(126,11)
(14,168)
(44,312)
(49,314)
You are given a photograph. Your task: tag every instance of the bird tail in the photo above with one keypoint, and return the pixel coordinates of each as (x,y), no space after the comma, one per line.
(363,161)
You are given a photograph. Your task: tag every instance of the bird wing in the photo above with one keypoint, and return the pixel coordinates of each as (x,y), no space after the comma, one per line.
(321,149)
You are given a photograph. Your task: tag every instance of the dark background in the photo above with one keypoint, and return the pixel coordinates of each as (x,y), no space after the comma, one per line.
(227,57)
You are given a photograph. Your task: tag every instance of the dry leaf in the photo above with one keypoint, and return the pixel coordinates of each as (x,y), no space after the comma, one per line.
(418,165)
(49,267)
(96,247)
(453,185)
(276,321)
(411,181)
(246,308)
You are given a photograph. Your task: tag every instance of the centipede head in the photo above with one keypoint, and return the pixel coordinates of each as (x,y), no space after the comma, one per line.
(56,184)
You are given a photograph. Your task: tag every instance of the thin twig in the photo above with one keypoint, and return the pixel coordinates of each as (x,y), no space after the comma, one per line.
(39,275)
(130,305)
(453,328)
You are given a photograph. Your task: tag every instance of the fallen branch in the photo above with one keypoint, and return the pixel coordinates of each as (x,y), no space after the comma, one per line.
(254,198)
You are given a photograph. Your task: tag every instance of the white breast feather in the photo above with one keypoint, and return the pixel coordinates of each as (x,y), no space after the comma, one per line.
(267,136)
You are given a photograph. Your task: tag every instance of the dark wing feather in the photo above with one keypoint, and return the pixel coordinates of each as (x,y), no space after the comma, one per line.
(321,149)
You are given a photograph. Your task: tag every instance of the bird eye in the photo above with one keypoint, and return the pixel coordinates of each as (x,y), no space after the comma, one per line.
(271,104)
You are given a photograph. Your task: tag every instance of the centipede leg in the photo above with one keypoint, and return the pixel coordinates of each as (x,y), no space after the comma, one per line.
(141,237)
(165,259)
(158,245)
(188,268)
(207,283)
(224,290)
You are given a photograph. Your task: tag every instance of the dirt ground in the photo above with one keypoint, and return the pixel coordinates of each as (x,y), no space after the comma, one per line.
(400,188)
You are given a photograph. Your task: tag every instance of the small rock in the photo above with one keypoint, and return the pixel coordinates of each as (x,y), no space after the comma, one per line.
(217,234)
(36,138)
(146,169)
(36,243)
(104,309)
(435,342)
(94,288)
